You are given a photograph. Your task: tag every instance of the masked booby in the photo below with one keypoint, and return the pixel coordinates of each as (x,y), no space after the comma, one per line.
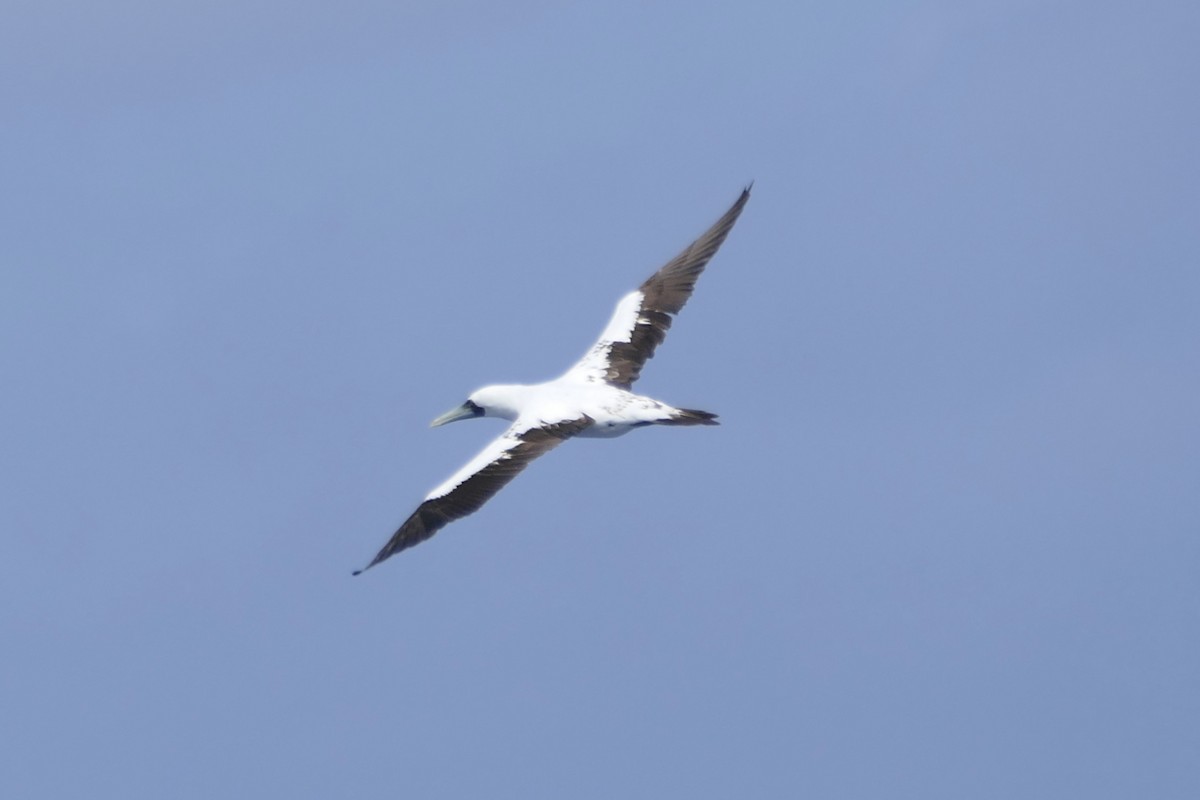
(592,399)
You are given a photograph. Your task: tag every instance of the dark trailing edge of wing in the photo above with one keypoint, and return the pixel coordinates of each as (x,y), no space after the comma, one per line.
(663,294)
(470,495)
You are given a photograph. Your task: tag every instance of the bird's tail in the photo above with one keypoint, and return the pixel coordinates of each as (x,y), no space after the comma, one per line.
(690,416)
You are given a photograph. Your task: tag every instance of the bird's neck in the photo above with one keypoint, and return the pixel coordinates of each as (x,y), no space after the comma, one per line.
(505,401)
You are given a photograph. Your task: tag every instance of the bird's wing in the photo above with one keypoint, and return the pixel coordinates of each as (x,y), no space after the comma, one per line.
(642,318)
(477,482)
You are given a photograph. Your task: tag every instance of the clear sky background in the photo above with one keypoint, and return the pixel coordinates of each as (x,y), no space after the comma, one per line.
(946,543)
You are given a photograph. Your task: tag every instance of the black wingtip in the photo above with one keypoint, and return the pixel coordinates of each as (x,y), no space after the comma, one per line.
(749,186)
(358,572)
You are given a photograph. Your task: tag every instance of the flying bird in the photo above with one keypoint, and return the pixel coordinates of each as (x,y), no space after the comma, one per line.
(592,399)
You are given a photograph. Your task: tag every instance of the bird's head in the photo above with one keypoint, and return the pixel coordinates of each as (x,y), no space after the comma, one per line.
(490,401)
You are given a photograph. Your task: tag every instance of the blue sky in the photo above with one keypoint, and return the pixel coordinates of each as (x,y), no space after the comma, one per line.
(945,543)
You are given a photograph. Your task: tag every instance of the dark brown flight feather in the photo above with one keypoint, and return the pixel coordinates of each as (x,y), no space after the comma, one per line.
(476,489)
(664,293)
